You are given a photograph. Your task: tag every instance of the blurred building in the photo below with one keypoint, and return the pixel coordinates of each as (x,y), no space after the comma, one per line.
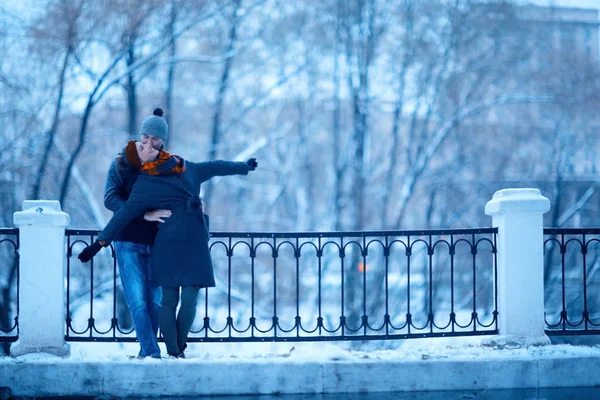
(566,31)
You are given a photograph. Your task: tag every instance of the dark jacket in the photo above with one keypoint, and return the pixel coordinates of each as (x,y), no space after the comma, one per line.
(180,256)
(119,183)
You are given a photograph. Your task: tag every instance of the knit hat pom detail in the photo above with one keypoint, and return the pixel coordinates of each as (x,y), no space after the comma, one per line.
(155,125)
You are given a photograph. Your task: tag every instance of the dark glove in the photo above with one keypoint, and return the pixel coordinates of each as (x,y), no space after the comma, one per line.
(89,252)
(252,164)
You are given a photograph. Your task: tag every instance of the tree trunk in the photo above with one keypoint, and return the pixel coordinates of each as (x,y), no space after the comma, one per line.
(397,117)
(216,123)
(337,168)
(171,73)
(131,87)
(82,131)
(359,87)
(52,132)
(556,210)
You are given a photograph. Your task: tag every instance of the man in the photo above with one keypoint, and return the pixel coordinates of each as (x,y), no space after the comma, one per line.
(133,244)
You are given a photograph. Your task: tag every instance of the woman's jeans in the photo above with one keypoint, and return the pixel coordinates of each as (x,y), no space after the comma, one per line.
(175,328)
(143,299)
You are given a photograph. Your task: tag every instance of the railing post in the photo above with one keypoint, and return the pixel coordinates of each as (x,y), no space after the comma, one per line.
(518,215)
(41,289)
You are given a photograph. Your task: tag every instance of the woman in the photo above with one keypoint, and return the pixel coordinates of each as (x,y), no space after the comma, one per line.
(180,255)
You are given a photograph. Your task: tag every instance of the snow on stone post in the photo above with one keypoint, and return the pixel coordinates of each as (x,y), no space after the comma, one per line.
(41,286)
(518,215)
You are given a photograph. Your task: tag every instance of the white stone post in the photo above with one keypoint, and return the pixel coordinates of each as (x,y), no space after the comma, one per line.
(518,215)
(42,275)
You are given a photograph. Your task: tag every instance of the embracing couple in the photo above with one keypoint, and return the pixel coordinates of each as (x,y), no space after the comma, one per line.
(160,234)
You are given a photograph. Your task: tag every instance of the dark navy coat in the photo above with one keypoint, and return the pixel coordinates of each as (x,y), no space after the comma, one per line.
(180,255)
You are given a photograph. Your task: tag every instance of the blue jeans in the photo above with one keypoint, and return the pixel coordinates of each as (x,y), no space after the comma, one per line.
(143,299)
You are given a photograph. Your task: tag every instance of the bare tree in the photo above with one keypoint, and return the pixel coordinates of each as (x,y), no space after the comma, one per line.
(104,83)
(233,21)
(61,29)
(407,44)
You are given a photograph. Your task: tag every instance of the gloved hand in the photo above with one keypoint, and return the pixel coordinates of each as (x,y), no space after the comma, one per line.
(252,164)
(89,252)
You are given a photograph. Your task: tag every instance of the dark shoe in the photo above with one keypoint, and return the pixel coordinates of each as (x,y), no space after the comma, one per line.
(181,353)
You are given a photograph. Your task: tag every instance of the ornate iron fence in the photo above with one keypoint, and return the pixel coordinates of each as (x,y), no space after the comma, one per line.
(572,281)
(9,301)
(314,287)
(92,286)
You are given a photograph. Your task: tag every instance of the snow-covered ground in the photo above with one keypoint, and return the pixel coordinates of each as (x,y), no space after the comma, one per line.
(467,348)
(452,364)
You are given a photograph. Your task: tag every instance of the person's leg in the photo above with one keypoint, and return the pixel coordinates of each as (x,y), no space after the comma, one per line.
(186,315)
(153,297)
(168,324)
(131,259)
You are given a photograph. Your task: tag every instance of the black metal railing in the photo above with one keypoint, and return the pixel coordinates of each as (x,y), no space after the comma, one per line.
(572,281)
(9,301)
(93,284)
(314,287)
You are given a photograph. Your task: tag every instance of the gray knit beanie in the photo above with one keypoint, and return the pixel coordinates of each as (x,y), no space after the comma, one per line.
(155,125)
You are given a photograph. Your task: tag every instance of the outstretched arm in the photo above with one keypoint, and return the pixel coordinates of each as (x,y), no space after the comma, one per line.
(114,202)
(209,169)
(134,206)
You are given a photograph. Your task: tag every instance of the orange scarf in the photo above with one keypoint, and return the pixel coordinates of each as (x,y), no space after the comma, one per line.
(165,164)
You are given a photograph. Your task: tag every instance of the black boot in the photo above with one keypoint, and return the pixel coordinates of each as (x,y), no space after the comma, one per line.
(181,353)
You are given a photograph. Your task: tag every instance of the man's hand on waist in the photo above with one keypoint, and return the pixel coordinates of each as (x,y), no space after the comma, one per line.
(157,215)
